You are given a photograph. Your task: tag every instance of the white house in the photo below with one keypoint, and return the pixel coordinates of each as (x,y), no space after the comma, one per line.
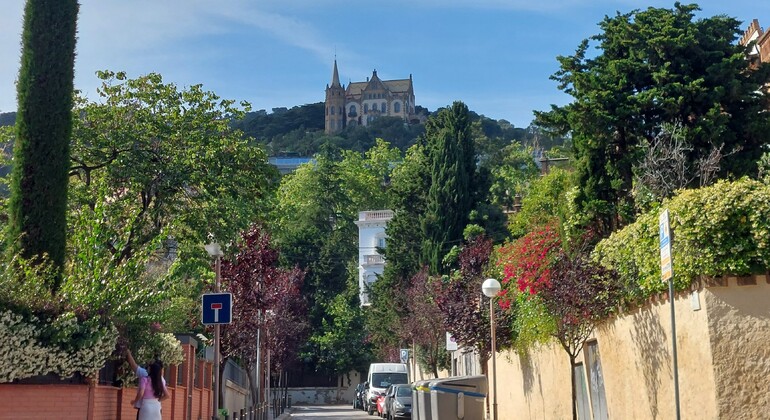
(371,235)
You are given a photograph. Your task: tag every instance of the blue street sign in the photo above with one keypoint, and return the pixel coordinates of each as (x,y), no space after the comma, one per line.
(217,308)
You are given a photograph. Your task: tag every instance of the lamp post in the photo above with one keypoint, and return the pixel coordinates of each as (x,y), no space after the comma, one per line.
(490,288)
(215,251)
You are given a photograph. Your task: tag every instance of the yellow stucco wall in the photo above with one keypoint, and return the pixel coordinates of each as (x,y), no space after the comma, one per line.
(723,356)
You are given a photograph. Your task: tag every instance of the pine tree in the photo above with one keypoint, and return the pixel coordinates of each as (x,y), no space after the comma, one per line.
(37,208)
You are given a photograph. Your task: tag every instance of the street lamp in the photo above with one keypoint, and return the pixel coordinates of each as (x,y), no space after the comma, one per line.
(490,288)
(215,251)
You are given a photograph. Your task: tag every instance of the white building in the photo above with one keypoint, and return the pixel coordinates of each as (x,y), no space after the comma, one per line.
(371,235)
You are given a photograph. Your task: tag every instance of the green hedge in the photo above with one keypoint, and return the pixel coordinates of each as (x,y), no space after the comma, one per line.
(723,229)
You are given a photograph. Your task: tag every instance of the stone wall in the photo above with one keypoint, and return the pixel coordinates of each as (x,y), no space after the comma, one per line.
(723,331)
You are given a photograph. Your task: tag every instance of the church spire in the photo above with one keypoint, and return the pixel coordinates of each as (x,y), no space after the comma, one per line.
(335,75)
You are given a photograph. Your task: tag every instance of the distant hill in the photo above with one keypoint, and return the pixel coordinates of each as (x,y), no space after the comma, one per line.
(7,118)
(299,131)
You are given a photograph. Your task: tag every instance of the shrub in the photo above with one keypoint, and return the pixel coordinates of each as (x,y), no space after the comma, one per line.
(723,229)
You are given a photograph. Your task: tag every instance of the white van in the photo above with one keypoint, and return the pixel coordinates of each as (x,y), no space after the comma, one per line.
(380,377)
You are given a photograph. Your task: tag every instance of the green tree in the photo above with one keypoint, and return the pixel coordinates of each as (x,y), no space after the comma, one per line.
(38,205)
(317,206)
(656,66)
(452,164)
(158,162)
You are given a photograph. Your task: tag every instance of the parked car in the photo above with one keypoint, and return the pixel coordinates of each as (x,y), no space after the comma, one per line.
(358,399)
(398,402)
(363,396)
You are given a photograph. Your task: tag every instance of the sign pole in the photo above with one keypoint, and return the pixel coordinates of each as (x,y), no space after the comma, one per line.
(217,339)
(667,273)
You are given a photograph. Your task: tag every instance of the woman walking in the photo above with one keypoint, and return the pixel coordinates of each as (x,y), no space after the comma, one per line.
(152,390)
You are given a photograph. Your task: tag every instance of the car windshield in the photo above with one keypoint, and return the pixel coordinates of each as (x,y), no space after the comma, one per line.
(403,391)
(386,379)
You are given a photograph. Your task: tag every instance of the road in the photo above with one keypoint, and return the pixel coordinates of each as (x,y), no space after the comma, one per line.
(336,412)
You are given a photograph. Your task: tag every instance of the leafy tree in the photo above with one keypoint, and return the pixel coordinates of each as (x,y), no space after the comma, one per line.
(452,164)
(577,296)
(656,66)
(318,232)
(543,204)
(260,287)
(342,343)
(459,298)
(38,204)
(150,150)
(424,325)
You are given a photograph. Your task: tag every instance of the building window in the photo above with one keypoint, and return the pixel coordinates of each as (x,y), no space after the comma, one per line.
(397,107)
(332,110)
(383,107)
(352,109)
(366,108)
(381,242)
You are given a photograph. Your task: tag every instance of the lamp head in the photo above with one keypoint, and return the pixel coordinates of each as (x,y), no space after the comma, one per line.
(490,287)
(214,249)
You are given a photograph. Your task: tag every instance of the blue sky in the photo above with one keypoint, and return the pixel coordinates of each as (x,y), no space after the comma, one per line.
(495,55)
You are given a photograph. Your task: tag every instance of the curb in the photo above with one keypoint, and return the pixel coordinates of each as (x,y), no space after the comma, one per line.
(286,415)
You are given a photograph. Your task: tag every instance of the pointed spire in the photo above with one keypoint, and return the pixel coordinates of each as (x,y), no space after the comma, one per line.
(335,75)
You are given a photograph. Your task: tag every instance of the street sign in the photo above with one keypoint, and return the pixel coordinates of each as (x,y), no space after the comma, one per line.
(451,343)
(404,355)
(664,230)
(217,308)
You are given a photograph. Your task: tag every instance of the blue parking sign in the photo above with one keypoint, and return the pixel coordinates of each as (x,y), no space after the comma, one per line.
(217,308)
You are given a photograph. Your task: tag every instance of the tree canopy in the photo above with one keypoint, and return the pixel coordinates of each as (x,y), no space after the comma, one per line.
(651,67)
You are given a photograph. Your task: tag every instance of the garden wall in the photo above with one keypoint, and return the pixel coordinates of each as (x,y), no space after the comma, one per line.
(104,402)
(723,331)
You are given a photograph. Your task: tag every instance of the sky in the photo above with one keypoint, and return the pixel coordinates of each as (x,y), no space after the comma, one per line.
(494,55)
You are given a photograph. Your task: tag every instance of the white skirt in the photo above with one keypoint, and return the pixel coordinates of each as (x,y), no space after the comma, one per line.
(150,409)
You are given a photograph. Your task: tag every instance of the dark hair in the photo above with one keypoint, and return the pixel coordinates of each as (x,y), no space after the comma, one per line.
(156,378)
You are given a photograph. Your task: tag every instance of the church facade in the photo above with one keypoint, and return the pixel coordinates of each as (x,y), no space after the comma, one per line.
(362,102)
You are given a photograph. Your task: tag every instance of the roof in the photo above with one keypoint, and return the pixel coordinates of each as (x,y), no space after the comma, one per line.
(394,86)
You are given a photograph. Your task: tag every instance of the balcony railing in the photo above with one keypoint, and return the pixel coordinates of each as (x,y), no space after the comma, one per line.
(375,215)
(374,259)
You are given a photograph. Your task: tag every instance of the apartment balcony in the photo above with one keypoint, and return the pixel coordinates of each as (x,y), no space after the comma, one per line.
(375,259)
(375,215)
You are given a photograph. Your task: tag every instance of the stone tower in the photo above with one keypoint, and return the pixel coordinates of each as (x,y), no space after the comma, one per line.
(335,104)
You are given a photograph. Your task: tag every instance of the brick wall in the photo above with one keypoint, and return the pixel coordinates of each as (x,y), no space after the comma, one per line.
(104,402)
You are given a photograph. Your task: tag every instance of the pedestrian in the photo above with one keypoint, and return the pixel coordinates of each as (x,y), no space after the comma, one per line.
(151,391)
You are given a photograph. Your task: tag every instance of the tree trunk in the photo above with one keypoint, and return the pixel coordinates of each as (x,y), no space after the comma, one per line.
(574,383)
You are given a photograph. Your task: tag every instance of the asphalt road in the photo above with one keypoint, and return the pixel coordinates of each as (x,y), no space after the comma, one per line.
(337,412)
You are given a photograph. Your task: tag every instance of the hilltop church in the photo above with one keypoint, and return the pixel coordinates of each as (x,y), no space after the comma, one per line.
(361,102)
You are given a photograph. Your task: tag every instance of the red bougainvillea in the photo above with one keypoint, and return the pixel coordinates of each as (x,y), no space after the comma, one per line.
(526,262)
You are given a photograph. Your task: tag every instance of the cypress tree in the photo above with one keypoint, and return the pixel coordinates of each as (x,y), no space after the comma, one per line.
(450,198)
(38,203)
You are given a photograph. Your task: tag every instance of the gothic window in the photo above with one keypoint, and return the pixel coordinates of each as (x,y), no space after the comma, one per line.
(366,108)
(397,107)
(383,107)
(352,109)
(332,110)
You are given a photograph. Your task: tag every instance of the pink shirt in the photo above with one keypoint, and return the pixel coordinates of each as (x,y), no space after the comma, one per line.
(148,391)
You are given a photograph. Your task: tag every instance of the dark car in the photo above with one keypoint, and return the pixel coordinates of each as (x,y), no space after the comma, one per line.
(357,400)
(361,392)
(398,402)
